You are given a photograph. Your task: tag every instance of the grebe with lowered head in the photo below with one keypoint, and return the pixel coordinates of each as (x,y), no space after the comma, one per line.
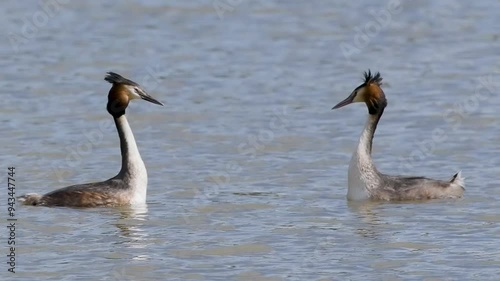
(364,180)
(130,185)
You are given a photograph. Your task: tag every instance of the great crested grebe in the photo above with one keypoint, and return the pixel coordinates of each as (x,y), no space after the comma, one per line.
(364,180)
(130,185)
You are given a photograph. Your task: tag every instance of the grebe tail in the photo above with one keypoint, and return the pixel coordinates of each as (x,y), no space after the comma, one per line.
(364,180)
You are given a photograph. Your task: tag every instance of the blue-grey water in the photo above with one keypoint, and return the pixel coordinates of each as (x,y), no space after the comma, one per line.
(247,163)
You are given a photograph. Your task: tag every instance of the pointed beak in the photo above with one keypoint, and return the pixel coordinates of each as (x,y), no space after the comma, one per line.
(345,102)
(145,96)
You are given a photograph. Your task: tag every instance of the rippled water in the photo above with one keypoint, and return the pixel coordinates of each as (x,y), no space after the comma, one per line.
(247,163)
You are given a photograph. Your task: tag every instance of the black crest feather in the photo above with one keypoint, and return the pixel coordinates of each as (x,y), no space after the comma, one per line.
(115,78)
(369,78)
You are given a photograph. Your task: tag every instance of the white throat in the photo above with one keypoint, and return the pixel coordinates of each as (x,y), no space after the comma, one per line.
(362,176)
(133,172)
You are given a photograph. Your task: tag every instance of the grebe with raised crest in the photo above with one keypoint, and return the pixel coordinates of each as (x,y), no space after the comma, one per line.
(364,180)
(130,185)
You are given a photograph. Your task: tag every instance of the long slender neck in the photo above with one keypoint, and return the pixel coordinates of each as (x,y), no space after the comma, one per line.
(365,141)
(363,177)
(132,164)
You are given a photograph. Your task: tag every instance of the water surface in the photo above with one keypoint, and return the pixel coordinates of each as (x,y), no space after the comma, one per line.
(247,163)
